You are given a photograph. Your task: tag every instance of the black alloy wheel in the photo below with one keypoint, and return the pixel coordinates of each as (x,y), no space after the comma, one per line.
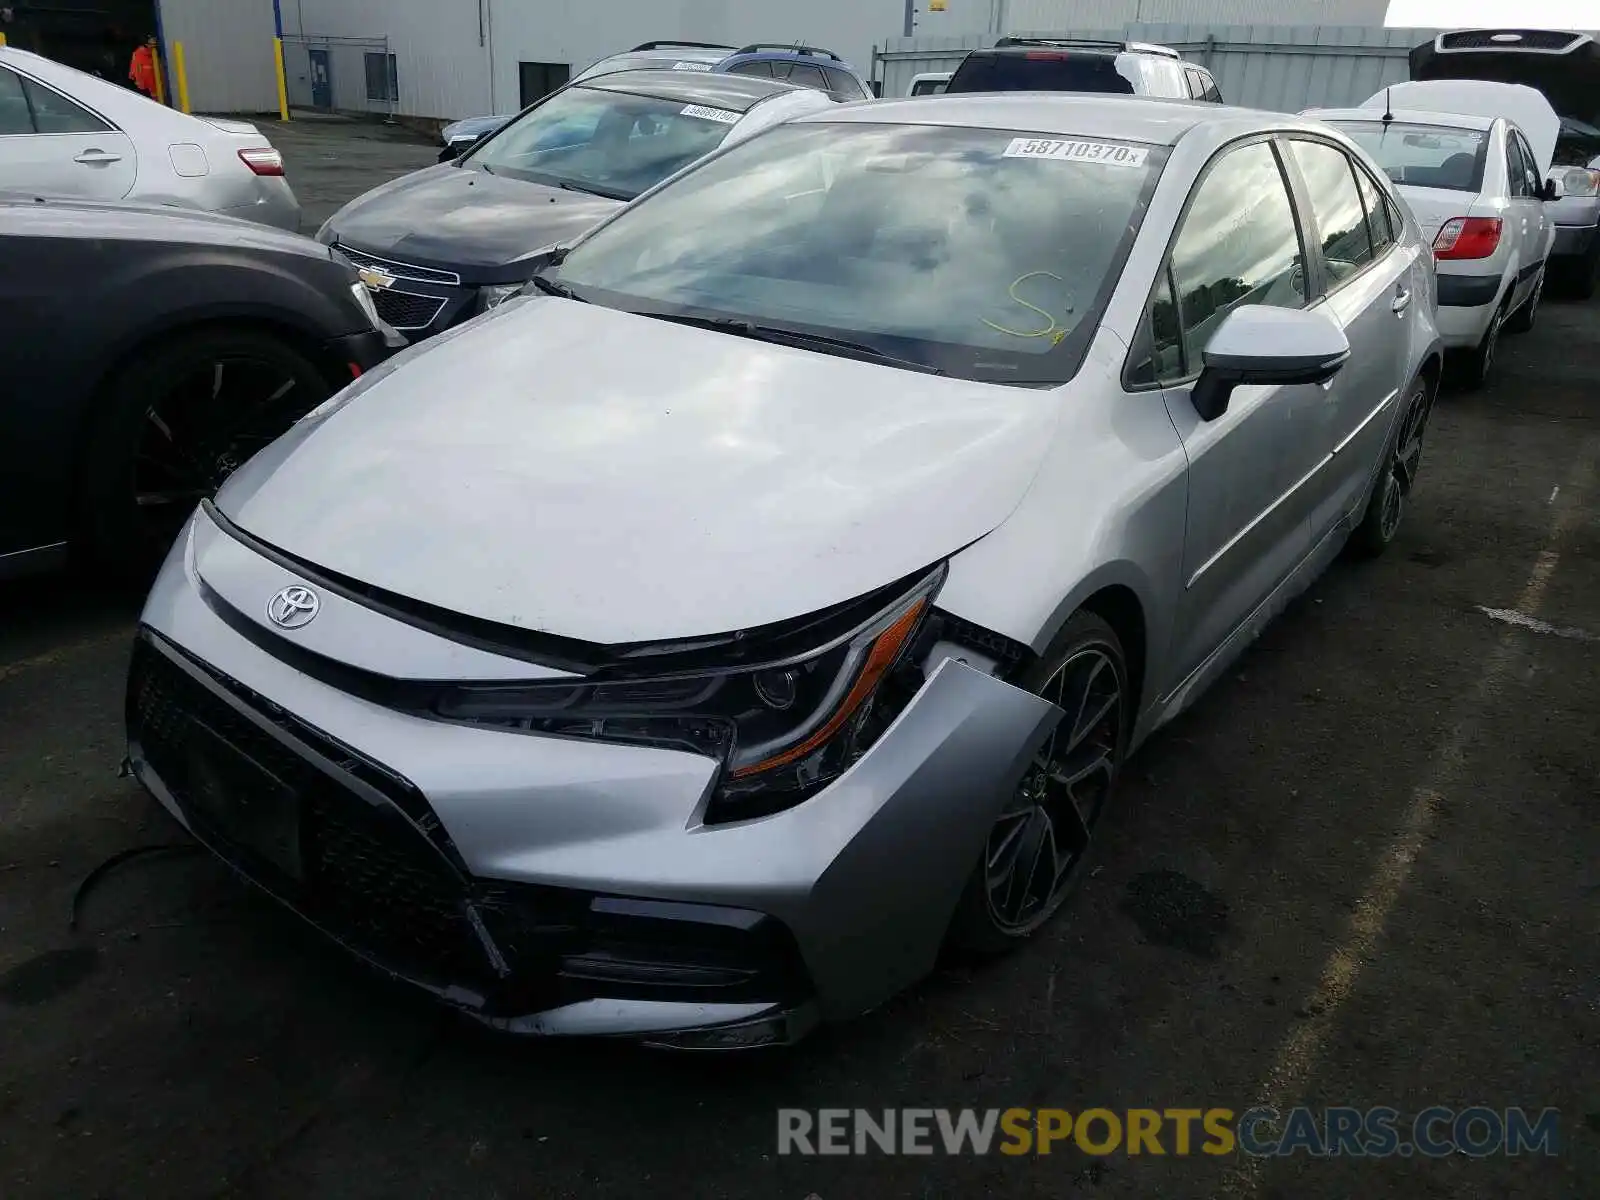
(1037,850)
(1402,463)
(176,424)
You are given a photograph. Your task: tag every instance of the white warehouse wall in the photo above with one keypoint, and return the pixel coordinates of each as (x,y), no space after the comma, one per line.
(441,59)
(444,69)
(578,32)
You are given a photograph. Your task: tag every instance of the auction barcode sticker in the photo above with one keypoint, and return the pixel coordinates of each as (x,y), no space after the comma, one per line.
(711,114)
(690,66)
(1111,154)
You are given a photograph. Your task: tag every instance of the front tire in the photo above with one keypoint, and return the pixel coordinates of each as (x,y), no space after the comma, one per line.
(1402,461)
(1036,854)
(174,424)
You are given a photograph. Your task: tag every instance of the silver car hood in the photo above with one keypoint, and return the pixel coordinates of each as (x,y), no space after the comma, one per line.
(585,472)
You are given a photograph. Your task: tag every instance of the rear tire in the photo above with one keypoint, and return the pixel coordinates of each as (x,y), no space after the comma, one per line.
(1478,365)
(173,425)
(1522,321)
(1401,463)
(1037,852)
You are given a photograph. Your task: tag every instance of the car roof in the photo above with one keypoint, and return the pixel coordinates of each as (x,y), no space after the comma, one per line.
(736,93)
(1410,116)
(1158,122)
(1107,47)
(828,59)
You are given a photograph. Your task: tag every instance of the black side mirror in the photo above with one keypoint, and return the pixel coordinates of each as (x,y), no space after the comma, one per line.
(1548,191)
(1258,344)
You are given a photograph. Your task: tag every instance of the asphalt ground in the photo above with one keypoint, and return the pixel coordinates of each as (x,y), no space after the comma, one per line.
(1364,870)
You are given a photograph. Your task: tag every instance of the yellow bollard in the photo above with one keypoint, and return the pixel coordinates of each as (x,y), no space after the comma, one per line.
(161,78)
(283,80)
(183,78)
(2,39)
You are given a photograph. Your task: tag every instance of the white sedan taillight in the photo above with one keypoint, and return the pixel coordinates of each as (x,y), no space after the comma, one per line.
(1467,237)
(262,160)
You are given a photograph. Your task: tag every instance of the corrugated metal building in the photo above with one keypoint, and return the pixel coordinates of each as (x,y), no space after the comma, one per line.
(1283,68)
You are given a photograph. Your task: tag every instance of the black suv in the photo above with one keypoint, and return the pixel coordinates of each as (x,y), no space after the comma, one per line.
(1016,64)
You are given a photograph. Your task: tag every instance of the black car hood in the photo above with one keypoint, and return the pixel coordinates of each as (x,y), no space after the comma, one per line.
(464,220)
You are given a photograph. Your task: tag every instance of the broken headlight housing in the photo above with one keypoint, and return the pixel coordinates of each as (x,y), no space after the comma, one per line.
(782,729)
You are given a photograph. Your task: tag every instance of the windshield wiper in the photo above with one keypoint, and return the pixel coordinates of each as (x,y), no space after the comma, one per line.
(590,189)
(552,288)
(821,342)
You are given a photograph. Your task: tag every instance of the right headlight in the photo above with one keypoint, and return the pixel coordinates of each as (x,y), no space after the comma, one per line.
(1580,181)
(782,730)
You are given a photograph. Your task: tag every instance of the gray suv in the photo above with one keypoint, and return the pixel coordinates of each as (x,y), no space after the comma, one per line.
(1019,64)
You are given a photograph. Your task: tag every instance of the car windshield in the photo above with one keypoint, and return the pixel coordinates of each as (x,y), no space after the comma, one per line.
(1578,144)
(609,143)
(976,252)
(1433,156)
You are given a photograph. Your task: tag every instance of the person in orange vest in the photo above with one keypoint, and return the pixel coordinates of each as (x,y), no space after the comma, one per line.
(143,68)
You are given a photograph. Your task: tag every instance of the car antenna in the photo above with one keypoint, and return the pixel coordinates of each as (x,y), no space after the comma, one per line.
(1388,107)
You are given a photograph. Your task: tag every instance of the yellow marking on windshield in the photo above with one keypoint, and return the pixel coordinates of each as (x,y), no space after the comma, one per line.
(1053,330)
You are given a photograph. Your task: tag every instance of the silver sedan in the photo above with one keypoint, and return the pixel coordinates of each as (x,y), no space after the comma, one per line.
(67,133)
(689,651)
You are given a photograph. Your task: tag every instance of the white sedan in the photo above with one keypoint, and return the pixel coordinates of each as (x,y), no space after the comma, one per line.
(67,133)
(1475,181)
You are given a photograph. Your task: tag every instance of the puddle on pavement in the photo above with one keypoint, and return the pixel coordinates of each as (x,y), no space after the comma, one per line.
(1173,910)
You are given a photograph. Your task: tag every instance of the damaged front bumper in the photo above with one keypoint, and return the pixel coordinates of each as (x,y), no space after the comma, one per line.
(555,886)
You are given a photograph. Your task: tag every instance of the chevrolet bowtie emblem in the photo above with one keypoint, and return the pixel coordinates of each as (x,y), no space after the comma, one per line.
(375,279)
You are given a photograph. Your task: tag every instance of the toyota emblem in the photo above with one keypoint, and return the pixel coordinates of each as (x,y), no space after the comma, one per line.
(293,607)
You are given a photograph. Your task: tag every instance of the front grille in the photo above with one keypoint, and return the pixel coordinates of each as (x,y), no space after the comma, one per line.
(406,311)
(1526,39)
(370,876)
(400,270)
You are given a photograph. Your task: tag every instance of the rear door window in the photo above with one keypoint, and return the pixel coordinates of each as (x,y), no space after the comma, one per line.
(1039,71)
(54,113)
(14,115)
(843,86)
(1529,163)
(1516,170)
(1336,203)
(1197,84)
(1383,236)
(808,76)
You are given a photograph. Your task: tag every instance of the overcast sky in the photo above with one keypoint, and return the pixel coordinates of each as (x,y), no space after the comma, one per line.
(1520,14)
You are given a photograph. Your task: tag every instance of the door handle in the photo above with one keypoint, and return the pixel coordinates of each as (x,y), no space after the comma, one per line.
(97,158)
(1402,301)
